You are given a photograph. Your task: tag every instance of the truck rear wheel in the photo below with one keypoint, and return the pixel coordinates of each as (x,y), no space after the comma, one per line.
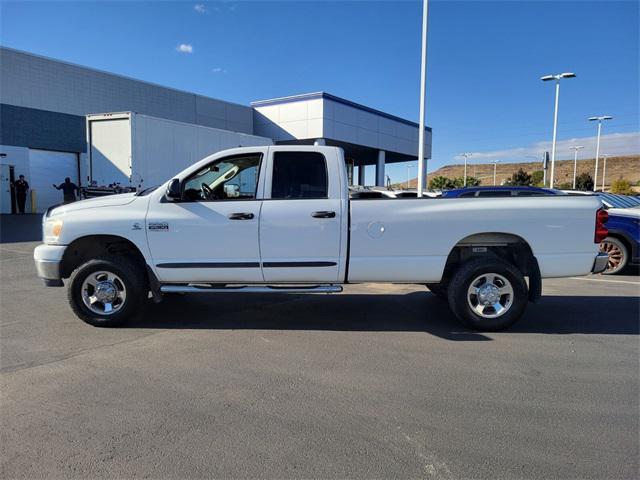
(107,291)
(487,294)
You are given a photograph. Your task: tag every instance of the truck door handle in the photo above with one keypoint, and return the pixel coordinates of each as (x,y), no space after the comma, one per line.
(323,214)
(241,216)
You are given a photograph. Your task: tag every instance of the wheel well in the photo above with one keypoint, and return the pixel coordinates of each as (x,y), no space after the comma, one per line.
(86,248)
(623,239)
(509,247)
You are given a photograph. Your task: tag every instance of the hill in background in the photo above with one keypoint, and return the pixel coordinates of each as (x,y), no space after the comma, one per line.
(627,167)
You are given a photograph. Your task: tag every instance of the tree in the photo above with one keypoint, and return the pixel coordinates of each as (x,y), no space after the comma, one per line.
(537,177)
(622,187)
(520,178)
(473,181)
(440,183)
(458,182)
(584,182)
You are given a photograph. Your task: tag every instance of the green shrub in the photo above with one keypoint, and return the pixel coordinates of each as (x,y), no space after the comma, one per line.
(622,187)
(584,182)
(537,177)
(520,178)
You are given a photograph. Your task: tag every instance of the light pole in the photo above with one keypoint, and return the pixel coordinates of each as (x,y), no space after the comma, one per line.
(557,78)
(466,156)
(575,149)
(409,167)
(495,164)
(604,169)
(599,120)
(423,82)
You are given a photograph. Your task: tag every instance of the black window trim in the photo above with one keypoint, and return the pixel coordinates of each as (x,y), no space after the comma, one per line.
(237,155)
(326,169)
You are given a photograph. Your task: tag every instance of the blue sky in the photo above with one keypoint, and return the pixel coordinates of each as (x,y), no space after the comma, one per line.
(484,61)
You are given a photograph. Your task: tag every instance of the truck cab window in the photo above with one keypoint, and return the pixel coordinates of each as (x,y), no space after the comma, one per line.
(299,175)
(229,178)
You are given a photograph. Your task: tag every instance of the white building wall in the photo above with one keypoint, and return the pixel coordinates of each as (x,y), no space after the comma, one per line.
(32,81)
(290,121)
(326,118)
(353,125)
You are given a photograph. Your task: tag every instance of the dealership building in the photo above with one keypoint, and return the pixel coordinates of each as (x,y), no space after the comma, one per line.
(44,103)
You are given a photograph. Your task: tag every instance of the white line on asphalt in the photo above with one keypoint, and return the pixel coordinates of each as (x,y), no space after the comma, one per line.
(603,280)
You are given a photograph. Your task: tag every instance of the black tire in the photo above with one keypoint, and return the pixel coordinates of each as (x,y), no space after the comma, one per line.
(618,255)
(439,290)
(465,276)
(134,284)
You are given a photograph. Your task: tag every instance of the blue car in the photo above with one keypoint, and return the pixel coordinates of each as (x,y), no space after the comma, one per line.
(500,191)
(623,242)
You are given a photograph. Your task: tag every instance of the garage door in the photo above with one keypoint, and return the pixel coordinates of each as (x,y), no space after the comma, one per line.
(46,168)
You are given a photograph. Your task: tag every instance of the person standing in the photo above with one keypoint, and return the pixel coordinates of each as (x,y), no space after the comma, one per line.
(68,190)
(21,188)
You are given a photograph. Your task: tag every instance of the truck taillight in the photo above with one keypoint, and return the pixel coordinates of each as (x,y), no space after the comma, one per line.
(601,231)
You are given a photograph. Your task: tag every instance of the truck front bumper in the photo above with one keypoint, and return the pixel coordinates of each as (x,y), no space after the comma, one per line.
(600,263)
(48,260)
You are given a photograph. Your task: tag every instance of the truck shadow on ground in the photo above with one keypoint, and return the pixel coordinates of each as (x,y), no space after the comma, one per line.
(20,228)
(411,312)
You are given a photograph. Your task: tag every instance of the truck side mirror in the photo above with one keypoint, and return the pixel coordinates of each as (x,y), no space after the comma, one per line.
(173,190)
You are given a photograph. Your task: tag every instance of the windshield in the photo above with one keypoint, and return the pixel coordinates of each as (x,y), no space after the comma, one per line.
(620,201)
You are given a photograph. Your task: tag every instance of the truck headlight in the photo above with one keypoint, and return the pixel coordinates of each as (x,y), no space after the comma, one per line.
(52,231)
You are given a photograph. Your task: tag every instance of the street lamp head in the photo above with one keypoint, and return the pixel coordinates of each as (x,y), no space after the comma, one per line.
(607,117)
(600,118)
(576,147)
(546,78)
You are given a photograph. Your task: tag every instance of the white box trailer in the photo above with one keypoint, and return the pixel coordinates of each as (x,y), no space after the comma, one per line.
(140,151)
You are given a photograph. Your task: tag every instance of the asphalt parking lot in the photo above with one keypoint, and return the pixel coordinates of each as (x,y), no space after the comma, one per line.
(376,382)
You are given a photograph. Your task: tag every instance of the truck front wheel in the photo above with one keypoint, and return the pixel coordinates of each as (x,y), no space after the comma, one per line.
(107,291)
(487,294)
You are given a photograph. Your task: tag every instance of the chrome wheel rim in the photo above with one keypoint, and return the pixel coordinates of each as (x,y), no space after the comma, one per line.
(103,292)
(615,255)
(490,295)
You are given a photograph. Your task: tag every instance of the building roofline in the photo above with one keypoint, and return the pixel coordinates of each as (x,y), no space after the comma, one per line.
(328,96)
(119,75)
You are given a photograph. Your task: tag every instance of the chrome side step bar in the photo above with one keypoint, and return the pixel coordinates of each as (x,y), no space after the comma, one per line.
(218,288)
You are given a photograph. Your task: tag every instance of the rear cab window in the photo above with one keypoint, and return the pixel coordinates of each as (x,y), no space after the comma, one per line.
(299,175)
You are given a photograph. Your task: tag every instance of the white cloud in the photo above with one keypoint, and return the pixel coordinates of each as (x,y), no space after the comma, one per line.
(611,144)
(184,48)
(200,8)
(219,70)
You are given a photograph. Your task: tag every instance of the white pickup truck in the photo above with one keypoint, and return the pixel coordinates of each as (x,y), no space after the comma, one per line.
(279,219)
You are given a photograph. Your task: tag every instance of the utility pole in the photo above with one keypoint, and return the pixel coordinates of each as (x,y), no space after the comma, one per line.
(575,149)
(604,169)
(409,167)
(599,120)
(495,164)
(557,78)
(545,167)
(423,82)
(466,156)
